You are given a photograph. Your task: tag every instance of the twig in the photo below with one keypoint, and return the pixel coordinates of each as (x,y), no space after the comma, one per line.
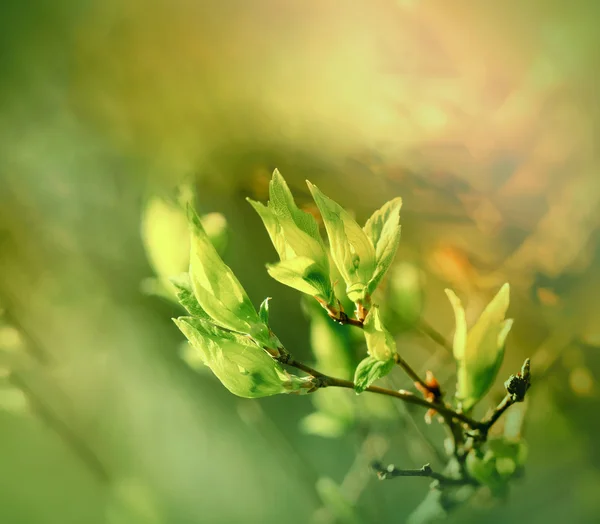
(406,396)
(390,472)
(414,377)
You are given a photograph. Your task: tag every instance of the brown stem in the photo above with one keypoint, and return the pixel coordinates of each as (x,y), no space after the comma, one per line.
(412,374)
(327,381)
(506,402)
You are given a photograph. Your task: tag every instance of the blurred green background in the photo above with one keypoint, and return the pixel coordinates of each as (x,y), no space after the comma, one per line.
(483,116)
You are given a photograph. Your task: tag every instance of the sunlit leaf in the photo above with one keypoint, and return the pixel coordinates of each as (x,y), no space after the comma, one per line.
(303,274)
(185,295)
(380,343)
(369,370)
(219,292)
(351,249)
(263,311)
(242,367)
(383,230)
(480,350)
(295,236)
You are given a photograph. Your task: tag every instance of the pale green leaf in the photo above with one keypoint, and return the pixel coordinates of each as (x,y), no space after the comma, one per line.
(383,230)
(369,370)
(479,354)
(185,295)
(218,291)
(460,332)
(263,311)
(242,367)
(351,249)
(272,226)
(303,274)
(295,235)
(380,343)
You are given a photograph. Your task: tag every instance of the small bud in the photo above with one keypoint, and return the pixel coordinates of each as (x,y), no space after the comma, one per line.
(517,385)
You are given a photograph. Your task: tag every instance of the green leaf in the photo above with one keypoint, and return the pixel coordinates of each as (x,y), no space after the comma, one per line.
(383,230)
(295,235)
(219,292)
(242,367)
(369,370)
(480,350)
(351,249)
(185,295)
(263,311)
(380,343)
(303,274)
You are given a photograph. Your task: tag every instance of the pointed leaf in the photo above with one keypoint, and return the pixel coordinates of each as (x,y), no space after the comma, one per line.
(243,368)
(295,235)
(272,226)
(263,312)
(383,230)
(351,249)
(380,342)
(460,333)
(479,357)
(302,274)
(369,370)
(186,297)
(218,291)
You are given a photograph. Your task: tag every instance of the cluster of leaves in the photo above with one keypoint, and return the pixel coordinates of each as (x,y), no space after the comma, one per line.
(234,339)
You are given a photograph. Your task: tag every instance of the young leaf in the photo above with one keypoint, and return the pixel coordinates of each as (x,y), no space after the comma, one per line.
(383,230)
(380,342)
(186,297)
(295,235)
(480,350)
(302,274)
(263,311)
(219,292)
(369,370)
(243,368)
(351,249)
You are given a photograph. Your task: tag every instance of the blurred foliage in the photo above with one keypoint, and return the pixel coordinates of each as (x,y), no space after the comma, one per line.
(482,116)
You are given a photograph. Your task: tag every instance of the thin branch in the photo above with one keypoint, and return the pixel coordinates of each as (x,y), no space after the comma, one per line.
(412,374)
(506,402)
(406,396)
(390,472)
